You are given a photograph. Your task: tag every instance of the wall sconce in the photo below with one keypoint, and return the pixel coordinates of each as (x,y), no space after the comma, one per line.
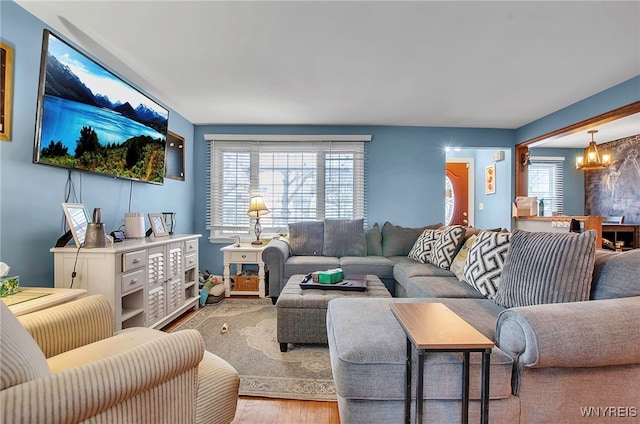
(525,160)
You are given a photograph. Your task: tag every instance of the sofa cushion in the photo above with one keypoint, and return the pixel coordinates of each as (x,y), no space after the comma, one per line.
(441,287)
(615,274)
(306,264)
(547,268)
(364,265)
(406,268)
(344,237)
(21,359)
(398,241)
(374,240)
(457,265)
(422,248)
(485,261)
(306,238)
(446,246)
(371,364)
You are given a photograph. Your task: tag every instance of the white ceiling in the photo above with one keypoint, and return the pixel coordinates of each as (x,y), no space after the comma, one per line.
(457,64)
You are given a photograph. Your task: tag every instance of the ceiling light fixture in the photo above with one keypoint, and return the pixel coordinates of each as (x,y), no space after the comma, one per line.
(591,159)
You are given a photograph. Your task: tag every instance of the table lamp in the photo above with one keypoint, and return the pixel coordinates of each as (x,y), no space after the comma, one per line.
(257,208)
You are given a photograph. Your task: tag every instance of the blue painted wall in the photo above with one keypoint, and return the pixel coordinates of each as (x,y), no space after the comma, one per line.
(31,217)
(613,98)
(496,211)
(404,165)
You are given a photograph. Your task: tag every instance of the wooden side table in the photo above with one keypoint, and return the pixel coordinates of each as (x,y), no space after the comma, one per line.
(31,299)
(246,253)
(432,327)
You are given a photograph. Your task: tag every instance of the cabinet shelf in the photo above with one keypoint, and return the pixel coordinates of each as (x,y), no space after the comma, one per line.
(130,313)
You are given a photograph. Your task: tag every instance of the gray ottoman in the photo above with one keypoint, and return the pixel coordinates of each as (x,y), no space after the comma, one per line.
(302,314)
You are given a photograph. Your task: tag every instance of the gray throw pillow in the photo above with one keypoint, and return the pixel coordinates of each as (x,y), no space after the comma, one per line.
(306,238)
(374,240)
(547,268)
(423,247)
(485,260)
(446,246)
(398,241)
(344,237)
(615,274)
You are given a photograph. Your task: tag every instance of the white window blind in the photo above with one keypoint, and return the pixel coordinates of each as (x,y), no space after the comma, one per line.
(546,181)
(299,180)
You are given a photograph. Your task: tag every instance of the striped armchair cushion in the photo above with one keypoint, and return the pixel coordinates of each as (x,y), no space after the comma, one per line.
(21,359)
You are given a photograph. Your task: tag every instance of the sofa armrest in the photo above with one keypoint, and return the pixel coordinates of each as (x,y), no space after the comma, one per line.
(166,369)
(569,335)
(274,255)
(65,327)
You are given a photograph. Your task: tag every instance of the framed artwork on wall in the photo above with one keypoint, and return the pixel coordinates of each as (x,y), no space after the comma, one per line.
(174,163)
(490,179)
(6,90)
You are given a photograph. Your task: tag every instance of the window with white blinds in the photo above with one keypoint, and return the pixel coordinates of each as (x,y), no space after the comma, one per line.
(299,180)
(546,181)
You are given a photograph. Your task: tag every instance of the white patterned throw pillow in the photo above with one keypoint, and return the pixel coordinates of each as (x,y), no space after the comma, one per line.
(446,247)
(421,250)
(485,260)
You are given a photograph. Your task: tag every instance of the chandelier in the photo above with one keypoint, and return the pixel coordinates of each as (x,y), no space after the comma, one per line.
(591,160)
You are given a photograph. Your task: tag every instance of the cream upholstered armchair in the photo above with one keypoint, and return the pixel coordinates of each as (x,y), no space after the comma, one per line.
(65,365)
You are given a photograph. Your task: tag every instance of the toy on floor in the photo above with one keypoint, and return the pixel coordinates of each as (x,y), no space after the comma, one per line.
(211,288)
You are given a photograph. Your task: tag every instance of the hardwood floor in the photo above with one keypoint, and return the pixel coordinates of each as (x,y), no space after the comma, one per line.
(255,410)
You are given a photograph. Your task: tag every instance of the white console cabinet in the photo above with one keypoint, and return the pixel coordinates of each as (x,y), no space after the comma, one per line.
(149,282)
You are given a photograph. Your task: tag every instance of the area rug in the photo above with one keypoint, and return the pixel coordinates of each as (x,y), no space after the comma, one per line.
(250,345)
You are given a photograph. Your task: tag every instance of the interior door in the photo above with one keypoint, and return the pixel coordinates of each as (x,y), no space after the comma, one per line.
(457,175)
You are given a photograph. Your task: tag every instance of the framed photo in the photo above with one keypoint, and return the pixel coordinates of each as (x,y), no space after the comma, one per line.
(77,219)
(157,225)
(490,179)
(6,90)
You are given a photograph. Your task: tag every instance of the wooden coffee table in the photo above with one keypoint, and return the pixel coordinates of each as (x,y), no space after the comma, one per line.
(432,327)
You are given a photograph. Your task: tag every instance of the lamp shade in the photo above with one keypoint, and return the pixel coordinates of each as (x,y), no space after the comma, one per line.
(257,207)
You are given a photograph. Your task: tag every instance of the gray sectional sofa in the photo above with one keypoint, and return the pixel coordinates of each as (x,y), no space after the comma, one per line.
(565,319)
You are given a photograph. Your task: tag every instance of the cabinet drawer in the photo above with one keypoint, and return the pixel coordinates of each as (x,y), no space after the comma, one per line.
(132,280)
(133,260)
(190,260)
(244,257)
(191,246)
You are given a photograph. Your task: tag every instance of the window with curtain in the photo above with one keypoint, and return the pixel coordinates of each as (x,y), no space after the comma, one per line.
(545,179)
(300,180)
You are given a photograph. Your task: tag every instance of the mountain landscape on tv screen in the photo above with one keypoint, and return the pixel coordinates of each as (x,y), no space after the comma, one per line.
(84,130)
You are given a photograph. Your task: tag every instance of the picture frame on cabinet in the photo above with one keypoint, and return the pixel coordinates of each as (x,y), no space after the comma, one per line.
(158,226)
(78,221)
(6,89)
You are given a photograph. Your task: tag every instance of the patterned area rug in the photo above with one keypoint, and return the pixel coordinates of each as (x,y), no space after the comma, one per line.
(303,372)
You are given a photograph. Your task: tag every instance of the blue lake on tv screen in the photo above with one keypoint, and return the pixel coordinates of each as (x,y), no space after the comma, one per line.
(62,121)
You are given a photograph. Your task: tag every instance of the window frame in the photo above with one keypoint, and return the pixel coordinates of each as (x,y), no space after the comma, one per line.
(258,144)
(557,200)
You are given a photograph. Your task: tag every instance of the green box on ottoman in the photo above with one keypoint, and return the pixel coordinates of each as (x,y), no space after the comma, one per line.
(331,276)
(302,314)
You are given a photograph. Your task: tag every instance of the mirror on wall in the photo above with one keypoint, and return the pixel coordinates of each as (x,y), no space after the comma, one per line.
(174,163)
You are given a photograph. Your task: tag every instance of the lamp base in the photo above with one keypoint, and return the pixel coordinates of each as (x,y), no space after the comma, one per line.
(256,243)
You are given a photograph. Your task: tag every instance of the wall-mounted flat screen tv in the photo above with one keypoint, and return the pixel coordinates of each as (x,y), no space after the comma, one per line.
(91,120)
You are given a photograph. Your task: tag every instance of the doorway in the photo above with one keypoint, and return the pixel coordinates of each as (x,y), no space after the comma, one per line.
(459,192)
